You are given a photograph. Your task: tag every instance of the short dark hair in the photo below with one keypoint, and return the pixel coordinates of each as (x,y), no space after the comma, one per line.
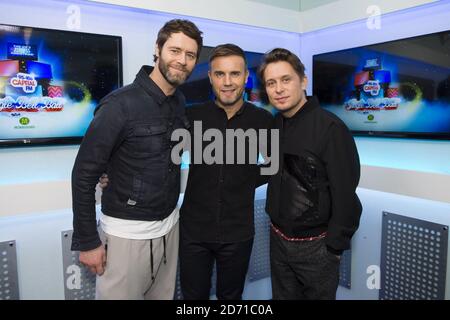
(275,55)
(280,54)
(226,50)
(179,25)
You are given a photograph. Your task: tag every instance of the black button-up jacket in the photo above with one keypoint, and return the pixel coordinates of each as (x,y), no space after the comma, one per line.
(218,202)
(129,139)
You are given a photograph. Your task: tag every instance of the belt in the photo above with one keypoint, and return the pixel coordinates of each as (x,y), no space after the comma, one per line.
(294,239)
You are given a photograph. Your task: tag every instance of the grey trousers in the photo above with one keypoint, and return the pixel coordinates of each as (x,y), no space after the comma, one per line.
(139,269)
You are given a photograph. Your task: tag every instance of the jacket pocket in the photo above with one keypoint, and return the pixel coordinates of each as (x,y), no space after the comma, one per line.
(135,197)
(149,139)
(147,192)
(297,203)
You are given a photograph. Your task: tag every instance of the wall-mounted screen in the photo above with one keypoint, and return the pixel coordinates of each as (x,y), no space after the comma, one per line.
(51,82)
(399,88)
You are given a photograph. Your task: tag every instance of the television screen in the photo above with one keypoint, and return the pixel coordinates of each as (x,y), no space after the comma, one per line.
(198,89)
(397,88)
(51,82)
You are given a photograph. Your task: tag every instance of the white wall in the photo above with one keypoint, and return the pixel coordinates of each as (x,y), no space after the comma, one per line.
(422,167)
(366,243)
(272,14)
(45,177)
(408,177)
(43,173)
(345,11)
(235,11)
(35,196)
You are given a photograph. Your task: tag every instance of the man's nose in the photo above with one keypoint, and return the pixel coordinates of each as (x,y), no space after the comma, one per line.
(279,87)
(182,59)
(227,80)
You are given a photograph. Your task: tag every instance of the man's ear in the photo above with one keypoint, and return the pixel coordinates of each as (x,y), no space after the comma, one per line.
(209,76)
(157,51)
(304,83)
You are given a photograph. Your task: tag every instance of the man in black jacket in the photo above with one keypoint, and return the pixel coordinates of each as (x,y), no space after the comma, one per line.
(135,254)
(216,218)
(312,203)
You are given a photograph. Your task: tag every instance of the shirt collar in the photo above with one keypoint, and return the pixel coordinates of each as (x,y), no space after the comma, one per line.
(238,113)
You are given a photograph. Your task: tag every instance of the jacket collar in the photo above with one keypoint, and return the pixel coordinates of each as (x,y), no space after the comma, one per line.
(311,104)
(143,79)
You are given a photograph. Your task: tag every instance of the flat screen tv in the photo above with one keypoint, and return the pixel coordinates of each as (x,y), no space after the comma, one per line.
(399,88)
(51,82)
(198,89)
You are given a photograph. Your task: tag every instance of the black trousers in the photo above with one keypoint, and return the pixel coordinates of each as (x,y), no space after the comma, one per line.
(303,270)
(196,266)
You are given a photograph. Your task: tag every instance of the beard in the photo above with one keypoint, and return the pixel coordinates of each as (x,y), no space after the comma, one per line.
(174,79)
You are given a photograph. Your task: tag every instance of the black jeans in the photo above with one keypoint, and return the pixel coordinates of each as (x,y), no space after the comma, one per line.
(196,266)
(303,270)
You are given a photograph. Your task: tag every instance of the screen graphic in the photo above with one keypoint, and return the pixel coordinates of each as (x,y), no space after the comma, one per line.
(397,88)
(51,82)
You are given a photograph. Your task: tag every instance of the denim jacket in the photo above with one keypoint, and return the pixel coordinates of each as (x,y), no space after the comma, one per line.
(129,139)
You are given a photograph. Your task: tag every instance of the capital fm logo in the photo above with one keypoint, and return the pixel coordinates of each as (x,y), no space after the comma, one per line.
(372,87)
(25,81)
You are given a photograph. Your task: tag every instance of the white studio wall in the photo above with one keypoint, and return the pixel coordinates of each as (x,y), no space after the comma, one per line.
(397,174)
(35,187)
(367,242)
(403,154)
(48,170)
(409,177)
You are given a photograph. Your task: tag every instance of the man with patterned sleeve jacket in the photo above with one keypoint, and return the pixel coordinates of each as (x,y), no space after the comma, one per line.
(312,203)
